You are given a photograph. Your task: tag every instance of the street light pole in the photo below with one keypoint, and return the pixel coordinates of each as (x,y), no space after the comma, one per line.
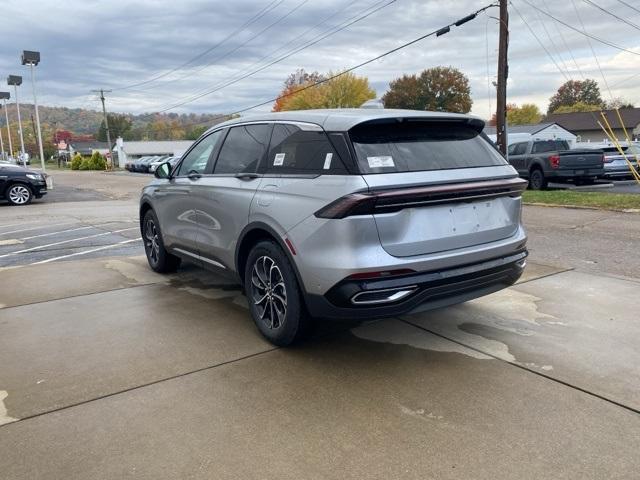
(16,80)
(32,59)
(106,126)
(2,146)
(4,96)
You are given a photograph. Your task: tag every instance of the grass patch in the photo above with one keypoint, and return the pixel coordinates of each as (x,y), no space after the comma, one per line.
(615,201)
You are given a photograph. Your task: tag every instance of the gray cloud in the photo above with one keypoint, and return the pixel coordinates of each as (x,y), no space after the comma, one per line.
(90,44)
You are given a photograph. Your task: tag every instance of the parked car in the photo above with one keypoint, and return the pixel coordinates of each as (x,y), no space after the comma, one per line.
(542,161)
(136,165)
(158,161)
(615,164)
(154,161)
(351,213)
(19,185)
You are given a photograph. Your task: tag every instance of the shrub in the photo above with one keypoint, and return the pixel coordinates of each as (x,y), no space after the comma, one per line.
(86,164)
(98,162)
(76,161)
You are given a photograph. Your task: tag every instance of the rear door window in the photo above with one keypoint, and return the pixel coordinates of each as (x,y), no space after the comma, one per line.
(411,146)
(294,150)
(243,149)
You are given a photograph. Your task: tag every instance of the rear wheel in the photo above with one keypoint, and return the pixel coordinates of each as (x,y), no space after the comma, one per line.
(159,259)
(19,194)
(274,296)
(537,180)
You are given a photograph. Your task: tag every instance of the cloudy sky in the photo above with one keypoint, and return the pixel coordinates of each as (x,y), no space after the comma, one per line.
(155,55)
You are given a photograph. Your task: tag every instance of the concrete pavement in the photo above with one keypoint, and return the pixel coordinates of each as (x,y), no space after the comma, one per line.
(108,370)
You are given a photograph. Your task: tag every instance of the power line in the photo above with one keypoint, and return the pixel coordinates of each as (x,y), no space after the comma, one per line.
(630,6)
(540,42)
(624,20)
(253,19)
(601,40)
(438,32)
(606,84)
(564,42)
(278,60)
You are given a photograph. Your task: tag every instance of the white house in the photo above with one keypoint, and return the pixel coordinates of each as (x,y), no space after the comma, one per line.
(539,131)
(129,150)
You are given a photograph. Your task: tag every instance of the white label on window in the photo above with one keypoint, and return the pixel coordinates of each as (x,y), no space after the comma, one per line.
(380,162)
(327,161)
(279,160)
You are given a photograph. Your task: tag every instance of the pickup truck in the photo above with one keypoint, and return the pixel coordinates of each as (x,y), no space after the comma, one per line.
(542,161)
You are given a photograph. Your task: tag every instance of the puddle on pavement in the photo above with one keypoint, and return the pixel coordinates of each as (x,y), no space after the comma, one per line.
(4,417)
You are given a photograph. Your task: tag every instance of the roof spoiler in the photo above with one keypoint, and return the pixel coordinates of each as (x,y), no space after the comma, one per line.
(476,123)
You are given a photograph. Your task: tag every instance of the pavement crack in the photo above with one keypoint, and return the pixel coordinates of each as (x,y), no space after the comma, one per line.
(525,368)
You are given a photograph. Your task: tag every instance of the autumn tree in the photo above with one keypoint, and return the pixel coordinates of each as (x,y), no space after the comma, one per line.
(525,114)
(575,91)
(344,91)
(443,89)
(618,103)
(119,126)
(294,82)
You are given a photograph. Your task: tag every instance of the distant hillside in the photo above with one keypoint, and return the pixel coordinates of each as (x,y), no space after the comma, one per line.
(82,121)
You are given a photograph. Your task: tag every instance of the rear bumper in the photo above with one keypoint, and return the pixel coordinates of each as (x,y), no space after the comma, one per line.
(576,173)
(429,290)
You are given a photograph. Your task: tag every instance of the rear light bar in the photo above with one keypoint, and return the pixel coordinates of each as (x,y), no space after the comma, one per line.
(554,161)
(380,274)
(606,159)
(385,201)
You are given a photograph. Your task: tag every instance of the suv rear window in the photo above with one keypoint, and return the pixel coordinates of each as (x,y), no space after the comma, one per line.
(418,146)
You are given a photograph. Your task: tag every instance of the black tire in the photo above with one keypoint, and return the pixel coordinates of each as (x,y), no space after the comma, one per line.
(19,194)
(537,181)
(274,295)
(159,259)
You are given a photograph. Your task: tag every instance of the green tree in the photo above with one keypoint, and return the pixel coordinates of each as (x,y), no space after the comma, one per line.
(578,107)
(194,132)
(527,113)
(119,126)
(76,161)
(442,89)
(618,103)
(345,91)
(575,91)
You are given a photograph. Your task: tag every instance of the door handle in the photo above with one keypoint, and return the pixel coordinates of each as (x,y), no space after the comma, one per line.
(246,176)
(193,175)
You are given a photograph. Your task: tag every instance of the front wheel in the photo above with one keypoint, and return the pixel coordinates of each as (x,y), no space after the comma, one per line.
(159,259)
(537,180)
(19,194)
(274,295)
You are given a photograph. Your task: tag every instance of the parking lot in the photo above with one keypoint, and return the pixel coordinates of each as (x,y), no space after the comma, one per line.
(108,370)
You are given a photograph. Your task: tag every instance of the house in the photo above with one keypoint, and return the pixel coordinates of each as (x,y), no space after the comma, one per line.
(585,124)
(86,147)
(543,131)
(130,150)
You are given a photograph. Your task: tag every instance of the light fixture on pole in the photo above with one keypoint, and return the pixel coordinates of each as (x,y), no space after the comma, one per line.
(32,59)
(4,96)
(16,81)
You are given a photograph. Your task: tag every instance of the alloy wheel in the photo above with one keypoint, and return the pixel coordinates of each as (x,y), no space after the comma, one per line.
(19,194)
(151,241)
(268,292)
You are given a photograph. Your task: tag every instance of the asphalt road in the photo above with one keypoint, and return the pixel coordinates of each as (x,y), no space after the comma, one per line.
(108,370)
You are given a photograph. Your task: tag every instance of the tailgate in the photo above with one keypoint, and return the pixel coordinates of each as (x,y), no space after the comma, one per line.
(579,159)
(429,218)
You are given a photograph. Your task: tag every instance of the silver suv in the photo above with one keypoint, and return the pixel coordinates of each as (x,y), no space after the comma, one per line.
(349,213)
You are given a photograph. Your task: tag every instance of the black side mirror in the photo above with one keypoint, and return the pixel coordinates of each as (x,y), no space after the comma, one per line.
(163,170)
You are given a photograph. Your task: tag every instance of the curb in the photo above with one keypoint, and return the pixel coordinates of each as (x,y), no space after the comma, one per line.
(582,207)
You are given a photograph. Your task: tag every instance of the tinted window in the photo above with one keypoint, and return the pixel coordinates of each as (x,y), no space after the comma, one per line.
(520,148)
(243,149)
(416,146)
(549,146)
(294,150)
(196,160)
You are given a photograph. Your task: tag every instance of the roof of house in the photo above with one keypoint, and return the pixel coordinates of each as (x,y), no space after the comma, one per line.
(579,121)
(89,145)
(531,128)
(155,147)
(343,119)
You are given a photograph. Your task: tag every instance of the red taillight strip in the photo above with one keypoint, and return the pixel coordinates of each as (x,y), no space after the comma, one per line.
(387,200)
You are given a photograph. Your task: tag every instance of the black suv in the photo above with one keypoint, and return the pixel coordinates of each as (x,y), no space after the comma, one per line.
(19,185)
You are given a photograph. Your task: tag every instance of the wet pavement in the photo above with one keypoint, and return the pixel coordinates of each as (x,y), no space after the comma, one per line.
(108,370)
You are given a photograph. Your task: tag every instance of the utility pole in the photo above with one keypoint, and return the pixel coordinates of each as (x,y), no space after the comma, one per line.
(106,124)
(503,73)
